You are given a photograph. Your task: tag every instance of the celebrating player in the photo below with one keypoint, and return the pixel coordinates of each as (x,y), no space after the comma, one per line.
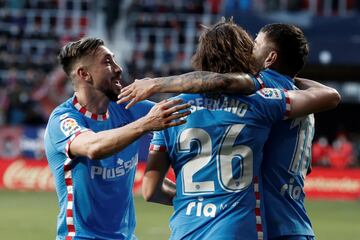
(217,154)
(91,145)
(279,48)
(282,49)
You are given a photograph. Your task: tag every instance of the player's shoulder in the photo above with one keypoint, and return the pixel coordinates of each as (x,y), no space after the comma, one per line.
(269,93)
(64,121)
(186,97)
(63,111)
(272,78)
(268,98)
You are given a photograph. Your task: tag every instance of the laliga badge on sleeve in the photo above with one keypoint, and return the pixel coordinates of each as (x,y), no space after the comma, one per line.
(69,126)
(270,93)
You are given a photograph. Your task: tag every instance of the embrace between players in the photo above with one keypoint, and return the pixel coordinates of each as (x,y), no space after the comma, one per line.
(239,140)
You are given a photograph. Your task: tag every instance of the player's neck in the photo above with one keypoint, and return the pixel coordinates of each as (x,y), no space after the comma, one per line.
(94,103)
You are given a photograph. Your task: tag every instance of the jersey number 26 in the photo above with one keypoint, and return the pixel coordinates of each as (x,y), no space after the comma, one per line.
(224,161)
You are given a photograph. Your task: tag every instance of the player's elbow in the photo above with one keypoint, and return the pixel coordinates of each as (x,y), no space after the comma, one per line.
(147,191)
(249,86)
(329,98)
(335,98)
(94,152)
(148,196)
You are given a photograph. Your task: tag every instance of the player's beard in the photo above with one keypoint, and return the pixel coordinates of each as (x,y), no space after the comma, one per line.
(112,94)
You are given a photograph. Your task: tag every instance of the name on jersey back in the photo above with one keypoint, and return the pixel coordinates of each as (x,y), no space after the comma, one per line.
(224,103)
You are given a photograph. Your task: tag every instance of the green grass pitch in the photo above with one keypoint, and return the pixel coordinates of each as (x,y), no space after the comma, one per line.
(32,215)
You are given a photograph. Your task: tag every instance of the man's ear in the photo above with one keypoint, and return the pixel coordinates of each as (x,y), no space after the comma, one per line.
(270,59)
(83,74)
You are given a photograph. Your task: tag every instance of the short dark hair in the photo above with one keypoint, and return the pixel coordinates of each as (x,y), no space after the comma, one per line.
(73,51)
(224,47)
(290,43)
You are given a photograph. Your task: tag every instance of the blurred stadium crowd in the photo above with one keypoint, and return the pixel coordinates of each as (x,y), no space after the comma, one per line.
(163,37)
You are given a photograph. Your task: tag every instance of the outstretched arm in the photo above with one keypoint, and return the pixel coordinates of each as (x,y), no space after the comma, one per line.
(314,97)
(155,187)
(105,143)
(192,82)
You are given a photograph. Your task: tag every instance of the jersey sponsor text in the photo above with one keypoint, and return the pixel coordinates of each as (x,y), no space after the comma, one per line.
(109,173)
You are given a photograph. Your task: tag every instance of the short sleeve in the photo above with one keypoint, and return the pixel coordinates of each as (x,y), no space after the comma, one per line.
(158,142)
(63,128)
(273,103)
(140,109)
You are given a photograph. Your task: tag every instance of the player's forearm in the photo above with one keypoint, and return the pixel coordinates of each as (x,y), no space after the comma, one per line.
(331,95)
(203,81)
(162,196)
(312,100)
(169,190)
(155,191)
(109,142)
(155,187)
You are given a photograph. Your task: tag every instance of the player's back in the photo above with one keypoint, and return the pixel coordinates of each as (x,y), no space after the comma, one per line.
(216,157)
(287,156)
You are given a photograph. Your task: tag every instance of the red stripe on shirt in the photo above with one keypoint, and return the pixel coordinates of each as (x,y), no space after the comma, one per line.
(69,213)
(68,181)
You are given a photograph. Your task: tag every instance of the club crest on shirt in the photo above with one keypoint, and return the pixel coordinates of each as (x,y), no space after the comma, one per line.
(69,126)
(270,93)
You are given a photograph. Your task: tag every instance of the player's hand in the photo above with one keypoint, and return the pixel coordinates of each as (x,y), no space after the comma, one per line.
(137,91)
(166,114)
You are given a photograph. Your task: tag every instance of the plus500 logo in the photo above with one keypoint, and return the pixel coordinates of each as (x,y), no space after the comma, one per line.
(109,173)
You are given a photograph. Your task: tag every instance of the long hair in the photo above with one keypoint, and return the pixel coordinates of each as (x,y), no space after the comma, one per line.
(224,47)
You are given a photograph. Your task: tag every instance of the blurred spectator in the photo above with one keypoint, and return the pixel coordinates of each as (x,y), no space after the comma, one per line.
(4,105)
(149,55)
(167,55)
(17,104)
(356,146)
(29,41)
(320,152)
(112,14)
(215,6)
(58,84)
(10,138)
(342,154)
(10,145)
(294,5)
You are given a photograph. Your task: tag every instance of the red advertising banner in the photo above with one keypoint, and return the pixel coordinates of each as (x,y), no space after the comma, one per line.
(325,183)
(328,183)
(26,175)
